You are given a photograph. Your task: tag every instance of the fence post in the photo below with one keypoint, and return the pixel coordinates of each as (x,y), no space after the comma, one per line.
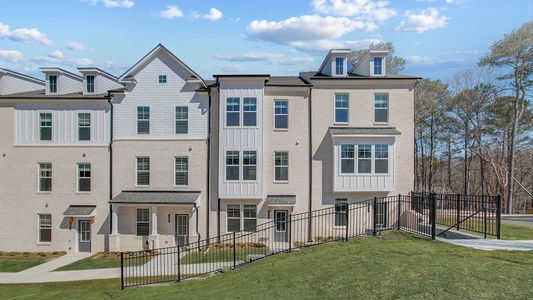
(433,215)
(458,215)
(347,222)
(121,270)
(374,214)
(399,211)
(290,232)
(499,217)
(484,205)
(234,252)
(179,264)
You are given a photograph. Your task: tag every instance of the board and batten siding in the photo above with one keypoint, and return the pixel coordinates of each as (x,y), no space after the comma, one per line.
(162,98)
(241,139)
(64,123)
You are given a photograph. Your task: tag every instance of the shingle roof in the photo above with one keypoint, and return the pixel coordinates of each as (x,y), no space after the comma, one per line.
(156,197)
(79,210)
(320,76)
(281,199)
(41,94)
(286,81)
(364,131)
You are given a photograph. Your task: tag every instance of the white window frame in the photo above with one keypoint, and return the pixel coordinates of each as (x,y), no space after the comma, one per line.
(232,217)
(39,177)
(341,108)
(56,84)
(142,120)
(239,112)
(137,171)
(338,203)
(241,217)
(337,66)
(181,119)
(78,165)
(51,126)
(243,112)
(382,59)
(373,158)
(233,165)
(353,159)
(47,227)
(87,84)
(249,152)
(162,79)
(85,126)
(386,109)
(281,166)
(387,159)
(280,114)
(137,222)
(185,171)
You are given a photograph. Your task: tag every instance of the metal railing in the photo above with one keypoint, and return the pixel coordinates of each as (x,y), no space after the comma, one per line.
(416,213)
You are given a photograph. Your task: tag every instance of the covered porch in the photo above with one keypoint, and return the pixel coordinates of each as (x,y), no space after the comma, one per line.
(153,219)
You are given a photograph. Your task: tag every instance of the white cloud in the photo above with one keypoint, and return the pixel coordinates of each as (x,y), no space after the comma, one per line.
(427,19)
(171,12)
(272,58)
(112,3)
(231,68)
(366,9)
(326,45)
(11,55)
(213,15)
(81,62)
(75,46)
(24,35)
(56,55)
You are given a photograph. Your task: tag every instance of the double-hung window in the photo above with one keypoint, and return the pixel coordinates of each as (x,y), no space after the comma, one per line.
(339,66)
(182,119)
(232,165)
(381,215)
(342,105)
(381,159)
(84,126)
(249,114)
(250,217)
(281,114)
(364,156)
(381,108)
(52,83)
(162,78)
(182,171)
(90,83)
(233,213)
(281,166)
(45,228)
(143,119)
(347,159)
(143,171)
(143,221)
(45,177)
(84,177)
(378,65)
(233,111)
(45,126)
(341,211)
(241,217)
(249,165)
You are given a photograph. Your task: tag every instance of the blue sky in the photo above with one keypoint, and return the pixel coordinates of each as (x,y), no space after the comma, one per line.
(438,37)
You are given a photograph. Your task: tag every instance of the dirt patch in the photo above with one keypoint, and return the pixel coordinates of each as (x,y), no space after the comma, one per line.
(31,255)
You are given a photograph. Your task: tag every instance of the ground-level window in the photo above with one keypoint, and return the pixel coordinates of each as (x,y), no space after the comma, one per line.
(381,215)
(241,217)
(341,211)
(45,177)
(249,165)
(182,171)
(84,177)
(281,166)
(250,217)
(143,171)
(45,228)
(233,212)
(143,221)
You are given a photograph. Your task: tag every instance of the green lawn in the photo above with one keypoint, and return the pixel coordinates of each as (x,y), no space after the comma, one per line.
(395,266)
(100,261)
(220,255)
(19,264)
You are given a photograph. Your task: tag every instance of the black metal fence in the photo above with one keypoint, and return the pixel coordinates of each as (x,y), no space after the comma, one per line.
(416,213)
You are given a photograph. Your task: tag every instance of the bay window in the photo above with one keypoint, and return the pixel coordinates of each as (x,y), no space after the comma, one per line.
(364,162)
(249,165)
(232,165)
(381,161)
(347,159)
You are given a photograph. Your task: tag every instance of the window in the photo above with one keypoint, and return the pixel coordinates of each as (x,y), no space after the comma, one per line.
(249,117)
(45,228)
(378,65)
(364,164)
(233,212)
(45,121)
(233,111)
(249,165)
(162,78)
(182,119)
(339,66)
(84,126)
(381,160)
(52,83)
(341,108)
(250,217)
(381,215)
(381,108)
(232,165)
(341,211)
(143,221)
(84,177)
(90,83)
(45,177)
(281,166)
(143,171)
(143,120)
(281,114)
(347,159)
(182,171)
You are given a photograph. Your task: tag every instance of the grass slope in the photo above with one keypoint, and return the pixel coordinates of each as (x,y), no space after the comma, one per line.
(19,264)
(396,266)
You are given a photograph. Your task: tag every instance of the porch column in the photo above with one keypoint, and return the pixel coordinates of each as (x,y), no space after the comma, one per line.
(154,220)
(114,224)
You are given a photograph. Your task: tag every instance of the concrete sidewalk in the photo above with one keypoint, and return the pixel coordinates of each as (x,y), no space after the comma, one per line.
(481,244)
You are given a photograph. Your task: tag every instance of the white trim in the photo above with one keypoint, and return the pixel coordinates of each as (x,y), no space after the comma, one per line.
(274,165)
(274,115)
(175,171)
(335,109)
(136,171)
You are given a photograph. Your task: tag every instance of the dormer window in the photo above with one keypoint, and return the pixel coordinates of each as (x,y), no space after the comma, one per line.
(162,78)
(90,83)
(52,83)
(378,65)
(339,66)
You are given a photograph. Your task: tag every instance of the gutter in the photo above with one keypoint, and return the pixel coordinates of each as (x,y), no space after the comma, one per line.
(110,101)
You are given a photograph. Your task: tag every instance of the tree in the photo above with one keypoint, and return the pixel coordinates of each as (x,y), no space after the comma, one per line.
(513,57)
(395,64)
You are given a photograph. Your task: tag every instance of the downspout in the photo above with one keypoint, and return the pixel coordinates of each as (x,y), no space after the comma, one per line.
(110,101)
(414,133)
(208,162)
(310,130)
(196,213)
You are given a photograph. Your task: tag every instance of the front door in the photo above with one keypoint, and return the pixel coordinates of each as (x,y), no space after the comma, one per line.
(280,228)
(182,230)
(84,239)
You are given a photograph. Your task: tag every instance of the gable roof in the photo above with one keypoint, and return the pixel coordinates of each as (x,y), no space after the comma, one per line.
(23,76)
(150,55)
(331,52)
(97,70)
(63,71)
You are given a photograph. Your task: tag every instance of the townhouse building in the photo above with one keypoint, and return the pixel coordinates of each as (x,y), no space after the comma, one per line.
(159,156)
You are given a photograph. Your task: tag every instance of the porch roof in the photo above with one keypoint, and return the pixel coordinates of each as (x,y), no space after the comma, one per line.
(363,131)
(156,197)
(79,211)
(281,199)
